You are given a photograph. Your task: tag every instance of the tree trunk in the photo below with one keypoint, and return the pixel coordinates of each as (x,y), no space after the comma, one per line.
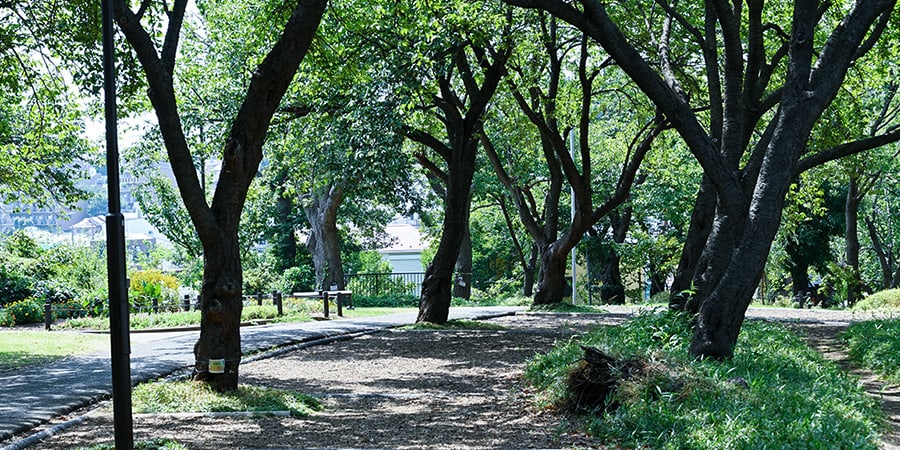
(530,268)
(285,241)
(612,291)
(221,303)
(883,258)
(799,281)
(854,286)
(698,232)
(324,242)
(462,286)
(551,283)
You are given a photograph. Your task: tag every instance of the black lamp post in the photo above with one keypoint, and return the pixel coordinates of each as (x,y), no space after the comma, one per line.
(115,250)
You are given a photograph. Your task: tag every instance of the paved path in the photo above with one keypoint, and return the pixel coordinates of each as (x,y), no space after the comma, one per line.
(32,396)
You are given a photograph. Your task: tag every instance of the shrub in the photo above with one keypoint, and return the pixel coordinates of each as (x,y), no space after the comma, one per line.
(24,312)
(889,299)
(14,285)
(149,285)
(296,279)
(776,392)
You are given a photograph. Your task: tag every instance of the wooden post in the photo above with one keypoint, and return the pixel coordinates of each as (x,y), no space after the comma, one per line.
(154,306)
(338,298)
(186,303)
(325,302)
(259,298)
(278,303)
(48,314)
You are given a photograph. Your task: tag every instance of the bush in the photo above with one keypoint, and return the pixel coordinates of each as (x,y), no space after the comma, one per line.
(296,279)
(889,299)
(23,312)
(776,392)
(149,285)
(14,285)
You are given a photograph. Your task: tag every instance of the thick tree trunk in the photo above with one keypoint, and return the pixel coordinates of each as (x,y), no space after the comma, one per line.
(552,276)
(612,291)
(799,281)
(221,303)
(324,242)
(462,285)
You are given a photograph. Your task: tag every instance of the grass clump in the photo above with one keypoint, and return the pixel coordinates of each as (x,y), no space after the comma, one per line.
(19,349)
(882,300)
(875,344)
(153,444)
(455,324)
(566,308)
(775,393)
(187,396)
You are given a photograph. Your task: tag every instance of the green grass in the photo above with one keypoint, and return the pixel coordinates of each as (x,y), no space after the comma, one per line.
(566,308)
(27,348)
(883,300)
(155,444)
(875,344)
(188,396)
(793,397)
(456,324)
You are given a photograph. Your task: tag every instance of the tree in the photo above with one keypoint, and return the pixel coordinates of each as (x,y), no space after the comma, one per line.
(539,102)
(42,151)
(463,66)
(771,74)
(217,222)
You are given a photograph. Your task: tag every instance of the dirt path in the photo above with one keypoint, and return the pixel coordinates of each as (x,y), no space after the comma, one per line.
(825,339)
(394,389)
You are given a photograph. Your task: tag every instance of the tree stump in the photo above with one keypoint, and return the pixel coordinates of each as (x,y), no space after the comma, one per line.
(593,381)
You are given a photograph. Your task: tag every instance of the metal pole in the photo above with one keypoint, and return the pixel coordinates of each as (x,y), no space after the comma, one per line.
(574,249)
(115,249)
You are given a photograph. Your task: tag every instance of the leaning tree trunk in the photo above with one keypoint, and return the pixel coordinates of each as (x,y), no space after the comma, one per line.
(434,303)
(462,286)
(698,233)
(221,303)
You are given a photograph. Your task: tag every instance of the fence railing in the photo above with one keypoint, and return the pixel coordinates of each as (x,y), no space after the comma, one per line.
(378,284)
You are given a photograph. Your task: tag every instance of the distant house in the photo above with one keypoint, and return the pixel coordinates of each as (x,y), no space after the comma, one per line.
(405,251)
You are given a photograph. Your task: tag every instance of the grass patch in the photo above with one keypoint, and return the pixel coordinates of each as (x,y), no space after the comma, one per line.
(875,344)
(882,300)
(154,444)
(566,308)
(776,393)
(455,324)
(187,396)
(358,312)
(19,349)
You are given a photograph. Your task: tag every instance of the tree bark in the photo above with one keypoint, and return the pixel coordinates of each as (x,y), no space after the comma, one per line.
(851,210)
(325,244)
(552,276)
(462,286)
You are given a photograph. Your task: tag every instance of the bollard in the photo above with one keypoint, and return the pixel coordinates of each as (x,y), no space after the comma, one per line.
(154,306)
(186,303)
(279,303)
(259,299)
(325,301)
(337,299)
(48,314)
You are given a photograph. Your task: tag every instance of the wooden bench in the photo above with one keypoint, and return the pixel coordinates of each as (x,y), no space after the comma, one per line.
(338,295)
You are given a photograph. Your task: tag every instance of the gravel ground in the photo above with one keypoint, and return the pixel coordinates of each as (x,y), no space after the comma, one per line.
(393,389)
(422,389)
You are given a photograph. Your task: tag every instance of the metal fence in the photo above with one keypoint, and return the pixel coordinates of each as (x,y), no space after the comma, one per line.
(378,284)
